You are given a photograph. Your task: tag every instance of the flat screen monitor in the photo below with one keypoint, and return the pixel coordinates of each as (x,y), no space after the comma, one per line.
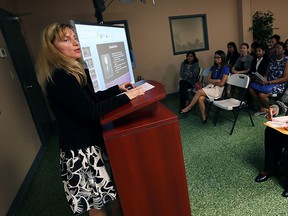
(106,53)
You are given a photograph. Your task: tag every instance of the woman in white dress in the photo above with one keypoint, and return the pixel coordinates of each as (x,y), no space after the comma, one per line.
(217,78)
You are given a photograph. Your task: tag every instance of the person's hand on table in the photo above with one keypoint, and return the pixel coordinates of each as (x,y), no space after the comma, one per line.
(126,86)
(135,92)
(270,114)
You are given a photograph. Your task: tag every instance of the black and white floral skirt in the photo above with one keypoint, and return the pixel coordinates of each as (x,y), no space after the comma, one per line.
(86,176)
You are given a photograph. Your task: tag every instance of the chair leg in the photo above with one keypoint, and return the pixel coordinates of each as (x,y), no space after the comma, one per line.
(235,120)
(252,122)
(217,113)
(209,104)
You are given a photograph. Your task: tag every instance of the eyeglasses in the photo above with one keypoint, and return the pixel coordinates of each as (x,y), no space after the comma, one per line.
(217,57)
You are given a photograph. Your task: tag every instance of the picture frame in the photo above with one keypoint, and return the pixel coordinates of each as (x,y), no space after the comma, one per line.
(189,33)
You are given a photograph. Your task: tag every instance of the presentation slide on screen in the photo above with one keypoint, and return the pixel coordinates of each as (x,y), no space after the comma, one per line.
(106,53)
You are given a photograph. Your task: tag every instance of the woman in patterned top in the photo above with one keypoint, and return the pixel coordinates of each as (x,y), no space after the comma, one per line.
(277,75)
(189,73)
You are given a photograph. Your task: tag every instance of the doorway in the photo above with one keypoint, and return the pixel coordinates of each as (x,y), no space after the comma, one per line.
(24,67)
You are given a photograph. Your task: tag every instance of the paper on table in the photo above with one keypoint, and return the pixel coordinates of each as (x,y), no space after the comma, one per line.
(146,86)
(279,123)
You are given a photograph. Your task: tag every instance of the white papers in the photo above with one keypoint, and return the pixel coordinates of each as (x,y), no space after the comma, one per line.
(260,77)
(279,122)
(146,86)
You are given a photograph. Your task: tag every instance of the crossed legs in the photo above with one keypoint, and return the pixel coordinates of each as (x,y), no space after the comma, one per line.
(199,97)
(201,103)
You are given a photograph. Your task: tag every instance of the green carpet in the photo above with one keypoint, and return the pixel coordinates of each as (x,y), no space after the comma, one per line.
(220,170)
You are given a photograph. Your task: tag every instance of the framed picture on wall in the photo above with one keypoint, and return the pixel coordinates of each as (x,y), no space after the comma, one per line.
(189,32)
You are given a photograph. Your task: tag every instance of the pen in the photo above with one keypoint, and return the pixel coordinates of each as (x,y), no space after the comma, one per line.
(266,115)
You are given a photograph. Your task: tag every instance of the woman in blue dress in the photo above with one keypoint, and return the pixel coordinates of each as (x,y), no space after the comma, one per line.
(277,75)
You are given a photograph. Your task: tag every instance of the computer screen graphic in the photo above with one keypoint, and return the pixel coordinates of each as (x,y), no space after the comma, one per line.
(106,53)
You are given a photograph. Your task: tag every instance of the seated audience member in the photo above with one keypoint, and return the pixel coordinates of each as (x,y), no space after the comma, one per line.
(286,47)
(189,73)
(253,48)
(243,63)
(273,40)
(260,62)
(232,54)
(274,142)
(217,78)
(277,77)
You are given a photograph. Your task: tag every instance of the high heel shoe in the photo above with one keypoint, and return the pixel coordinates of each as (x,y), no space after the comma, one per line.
(204,121)
(182,112)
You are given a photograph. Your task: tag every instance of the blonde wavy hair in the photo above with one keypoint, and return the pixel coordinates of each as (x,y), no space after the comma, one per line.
(51,58)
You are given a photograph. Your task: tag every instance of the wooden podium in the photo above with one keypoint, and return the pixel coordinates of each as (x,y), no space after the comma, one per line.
(144,147)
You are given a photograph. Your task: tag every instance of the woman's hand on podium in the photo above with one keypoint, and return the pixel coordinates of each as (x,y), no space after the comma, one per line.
(135,92)
(126,86)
